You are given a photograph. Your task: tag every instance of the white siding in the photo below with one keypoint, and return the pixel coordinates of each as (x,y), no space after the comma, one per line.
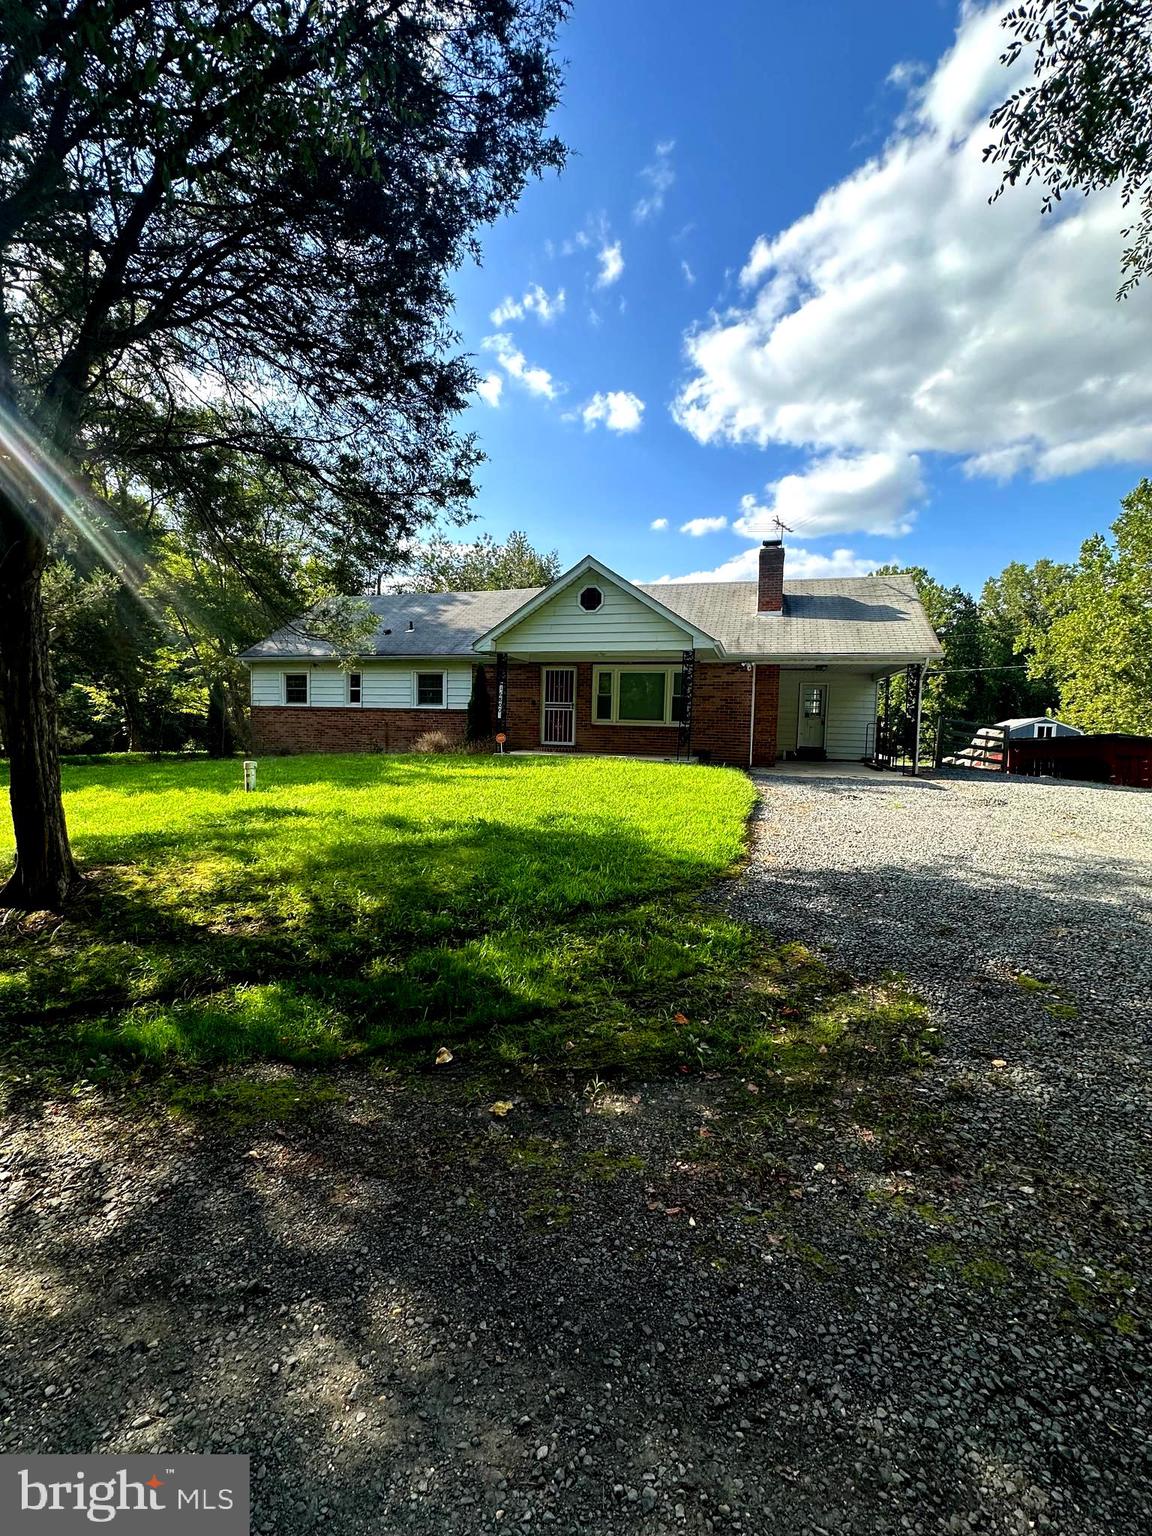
(386,684)
(560,627)
(850,723)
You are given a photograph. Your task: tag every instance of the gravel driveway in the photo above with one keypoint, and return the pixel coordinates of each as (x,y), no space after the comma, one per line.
(977,888)
(654,1308)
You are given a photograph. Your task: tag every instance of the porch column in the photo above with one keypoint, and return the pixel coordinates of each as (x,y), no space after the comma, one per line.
(684,734)
(501,691)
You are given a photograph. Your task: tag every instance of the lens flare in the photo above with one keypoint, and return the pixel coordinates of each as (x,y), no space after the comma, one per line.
(49,495)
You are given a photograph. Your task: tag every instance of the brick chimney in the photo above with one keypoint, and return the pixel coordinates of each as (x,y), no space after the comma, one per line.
(770,593)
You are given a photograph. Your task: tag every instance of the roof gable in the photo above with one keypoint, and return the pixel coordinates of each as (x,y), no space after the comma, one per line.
(629,616)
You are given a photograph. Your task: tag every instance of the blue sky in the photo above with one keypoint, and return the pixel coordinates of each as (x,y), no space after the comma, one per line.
(769,283)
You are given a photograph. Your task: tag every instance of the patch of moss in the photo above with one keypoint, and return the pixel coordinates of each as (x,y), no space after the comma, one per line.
(1028,983)
(1061,1010)
(1085,1285)
(1055,1004)
(603,1167)
(980,1269)
(923,1208)
(534,1154)
(548,1208)
(985,1271)
(932,1215)
(239,1105)
(811,1256)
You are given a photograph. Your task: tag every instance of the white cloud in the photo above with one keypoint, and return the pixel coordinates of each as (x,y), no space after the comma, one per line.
(905,73)
(906,315)
(535,301)
(618,409)
(800,565)
(659,175)
(658,524)
(697,526)
(490,388)
(538,381)
(611,264)
(867,493)
(687,273)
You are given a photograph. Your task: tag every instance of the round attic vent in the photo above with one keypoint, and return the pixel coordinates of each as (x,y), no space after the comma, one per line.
(591,598)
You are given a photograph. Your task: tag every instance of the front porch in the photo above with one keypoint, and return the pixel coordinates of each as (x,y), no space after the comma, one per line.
(684,708)
(612,706)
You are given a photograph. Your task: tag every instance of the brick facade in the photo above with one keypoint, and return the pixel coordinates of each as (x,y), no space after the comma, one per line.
(721,715)
(285,728)
(720,720)
(767,707)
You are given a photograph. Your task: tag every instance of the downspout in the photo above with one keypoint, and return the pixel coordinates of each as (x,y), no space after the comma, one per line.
(752,719)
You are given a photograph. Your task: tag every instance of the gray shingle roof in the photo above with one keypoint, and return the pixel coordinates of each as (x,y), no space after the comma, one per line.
(443,624)
(873,616)
(846,616)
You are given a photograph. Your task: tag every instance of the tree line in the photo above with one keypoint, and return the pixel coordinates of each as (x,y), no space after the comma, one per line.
(1073,639)
(148,664)
(145,660)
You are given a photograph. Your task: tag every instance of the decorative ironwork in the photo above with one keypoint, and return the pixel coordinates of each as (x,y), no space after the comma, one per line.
(882,752)
(898,721)
(687,690)
(915,676)
(501,690)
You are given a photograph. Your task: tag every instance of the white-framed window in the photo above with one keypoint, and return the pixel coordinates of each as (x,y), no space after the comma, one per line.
(591,598)
(430,690)
(355,687)
(637,695)
(295,687)
(1045,730)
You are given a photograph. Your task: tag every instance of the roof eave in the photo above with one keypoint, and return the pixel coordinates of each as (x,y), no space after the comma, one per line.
(835,658)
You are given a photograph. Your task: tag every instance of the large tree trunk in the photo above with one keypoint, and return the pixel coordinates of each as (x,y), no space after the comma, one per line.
(45,872)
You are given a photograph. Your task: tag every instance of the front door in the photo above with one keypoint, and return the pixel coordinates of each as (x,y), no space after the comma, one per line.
(558,726)
(813,713)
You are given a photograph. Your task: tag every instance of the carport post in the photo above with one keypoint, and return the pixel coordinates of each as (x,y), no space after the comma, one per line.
(918,679)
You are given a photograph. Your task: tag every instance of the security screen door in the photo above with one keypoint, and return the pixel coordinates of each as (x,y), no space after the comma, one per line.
(559,723)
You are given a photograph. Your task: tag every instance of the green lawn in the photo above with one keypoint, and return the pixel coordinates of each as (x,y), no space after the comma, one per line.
(532,911)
